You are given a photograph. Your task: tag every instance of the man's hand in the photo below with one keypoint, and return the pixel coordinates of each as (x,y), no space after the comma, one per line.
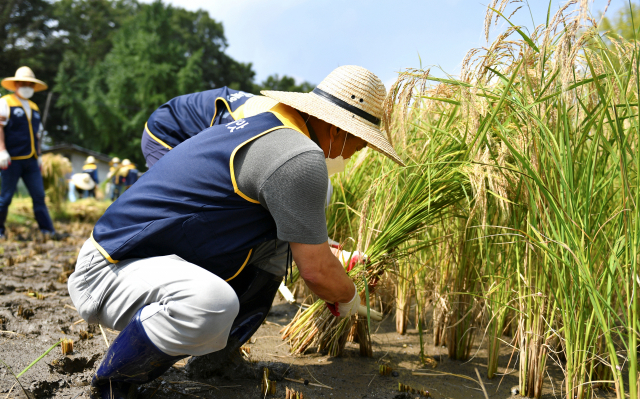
(348,309)
(5,159)
(322,272)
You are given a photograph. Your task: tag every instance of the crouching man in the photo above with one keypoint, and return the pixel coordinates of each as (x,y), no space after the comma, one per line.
(188,260)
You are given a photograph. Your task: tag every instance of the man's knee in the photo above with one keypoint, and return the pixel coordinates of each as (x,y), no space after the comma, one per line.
(196,321)
(219,307)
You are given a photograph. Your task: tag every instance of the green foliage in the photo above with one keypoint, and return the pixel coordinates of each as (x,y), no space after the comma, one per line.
(157,54)
(111,63)
(284,83)
(621,24)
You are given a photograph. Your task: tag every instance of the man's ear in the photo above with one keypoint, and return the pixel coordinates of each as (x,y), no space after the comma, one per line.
(333,131)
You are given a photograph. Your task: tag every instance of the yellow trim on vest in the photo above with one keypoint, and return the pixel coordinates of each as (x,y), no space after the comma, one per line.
(241,267)
(101,250)
(215,108)
(290,118)
(33,105)
(89,166)
(238,113)
(165,145)
(13,101)
(123,171)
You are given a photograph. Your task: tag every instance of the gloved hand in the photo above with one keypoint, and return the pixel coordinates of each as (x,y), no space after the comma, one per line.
(348,309)
(351,259)
(5,159)
(40,162)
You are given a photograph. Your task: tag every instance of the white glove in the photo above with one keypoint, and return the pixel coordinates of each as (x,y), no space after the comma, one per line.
(5,159)
(40,161)
(348,309)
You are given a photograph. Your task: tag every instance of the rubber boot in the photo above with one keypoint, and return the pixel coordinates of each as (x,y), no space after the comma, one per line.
(131,359)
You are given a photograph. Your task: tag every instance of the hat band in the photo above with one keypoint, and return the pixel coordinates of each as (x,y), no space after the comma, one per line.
(345,105)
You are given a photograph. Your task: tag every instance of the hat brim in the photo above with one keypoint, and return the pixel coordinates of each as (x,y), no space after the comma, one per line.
(81,182)
(315,105)
(10,83)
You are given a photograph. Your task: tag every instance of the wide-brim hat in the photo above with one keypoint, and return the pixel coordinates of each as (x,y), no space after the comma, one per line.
(257,105)
(24,74)
(350,98)
(83,181)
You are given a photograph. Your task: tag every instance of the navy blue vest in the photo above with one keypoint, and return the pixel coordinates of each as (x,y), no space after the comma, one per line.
(19,133)
(185,116)
(92,170)
(188,204)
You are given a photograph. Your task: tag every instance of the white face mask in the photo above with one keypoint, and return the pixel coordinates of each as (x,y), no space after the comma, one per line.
(335,165)
(25,92)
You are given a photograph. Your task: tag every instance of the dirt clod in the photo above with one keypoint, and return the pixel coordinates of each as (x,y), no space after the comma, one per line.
(72,364)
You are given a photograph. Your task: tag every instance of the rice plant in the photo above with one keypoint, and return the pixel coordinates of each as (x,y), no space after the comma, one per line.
(519,206)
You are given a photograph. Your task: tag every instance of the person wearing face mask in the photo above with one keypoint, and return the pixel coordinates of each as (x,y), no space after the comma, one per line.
(20,130)
(218,220)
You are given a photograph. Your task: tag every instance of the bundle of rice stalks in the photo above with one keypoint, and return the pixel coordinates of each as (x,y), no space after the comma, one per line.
(86,210)
(397,208)
(54,169)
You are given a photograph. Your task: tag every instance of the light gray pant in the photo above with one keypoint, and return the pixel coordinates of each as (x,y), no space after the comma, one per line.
(187,310)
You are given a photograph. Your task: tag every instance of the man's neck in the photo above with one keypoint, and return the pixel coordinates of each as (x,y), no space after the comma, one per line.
(312,132)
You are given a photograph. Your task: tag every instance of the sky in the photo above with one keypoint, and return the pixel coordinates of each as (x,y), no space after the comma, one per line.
(307,39)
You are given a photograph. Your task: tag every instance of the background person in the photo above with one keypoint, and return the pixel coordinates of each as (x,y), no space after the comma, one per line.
(91,169)
(114,164)
(125,176)
(218,219)
(84,185)
(20,130)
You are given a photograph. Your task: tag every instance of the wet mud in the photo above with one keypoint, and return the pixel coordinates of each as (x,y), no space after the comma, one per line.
(36,312)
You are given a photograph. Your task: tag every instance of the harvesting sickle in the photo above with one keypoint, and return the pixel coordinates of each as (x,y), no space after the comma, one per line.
(213,226)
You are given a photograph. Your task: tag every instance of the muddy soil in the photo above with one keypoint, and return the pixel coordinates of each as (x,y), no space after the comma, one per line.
(36,312)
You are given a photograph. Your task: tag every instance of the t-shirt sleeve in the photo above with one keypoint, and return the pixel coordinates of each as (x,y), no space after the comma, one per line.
(4,111)
(295,195)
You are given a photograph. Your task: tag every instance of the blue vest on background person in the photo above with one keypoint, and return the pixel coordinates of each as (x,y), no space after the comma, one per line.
(189,204)
(92,170)
(19,135)
(185,116)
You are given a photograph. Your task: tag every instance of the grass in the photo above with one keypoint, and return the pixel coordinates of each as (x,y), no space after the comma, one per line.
(85,210)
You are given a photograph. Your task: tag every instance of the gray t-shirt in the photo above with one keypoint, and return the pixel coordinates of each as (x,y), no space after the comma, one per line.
(287,173)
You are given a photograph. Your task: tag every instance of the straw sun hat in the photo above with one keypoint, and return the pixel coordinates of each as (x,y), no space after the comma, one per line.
(24,74)
(83,181)
(349,98)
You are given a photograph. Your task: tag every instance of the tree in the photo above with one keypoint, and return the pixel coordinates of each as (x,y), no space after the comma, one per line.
(284,83)
(621,24)
(27,37)
(159,53)
(110,63)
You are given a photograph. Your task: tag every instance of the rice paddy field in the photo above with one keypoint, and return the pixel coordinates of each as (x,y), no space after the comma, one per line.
(504,256)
